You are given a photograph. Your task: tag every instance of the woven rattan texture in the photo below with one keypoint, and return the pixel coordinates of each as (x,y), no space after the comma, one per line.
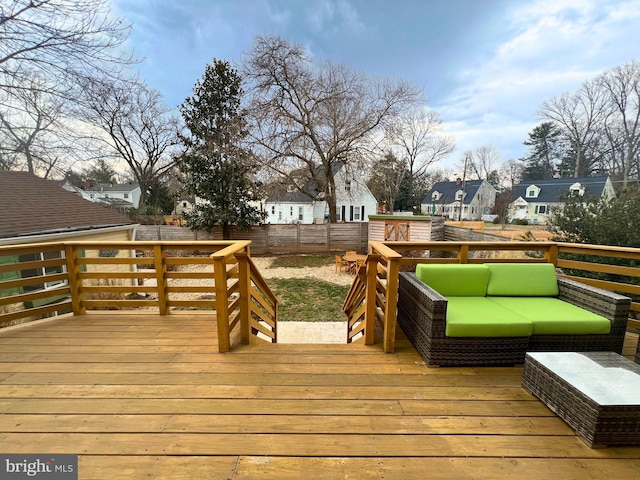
(422,316)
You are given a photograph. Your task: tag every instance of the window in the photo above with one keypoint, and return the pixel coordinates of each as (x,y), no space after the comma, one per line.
(473,210)
(279,214)
(347,185)
(459,195)
(532,192)
(541,209)
(356,213)
(273,210)
(40,272)
(184,204)
(126,195)
(300,213)
(435,197)
(291,211)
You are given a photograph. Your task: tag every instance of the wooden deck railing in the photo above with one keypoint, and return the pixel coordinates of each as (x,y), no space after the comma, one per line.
(47,279)
(378,311)
(361,306)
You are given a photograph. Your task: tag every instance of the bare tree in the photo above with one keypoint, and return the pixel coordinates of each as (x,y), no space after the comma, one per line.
(622,87)
(32,130)
(580,115)
(510,173)
(137,127)
(481,161)
(46,47)
(418,136)
(316,117)
(61,40)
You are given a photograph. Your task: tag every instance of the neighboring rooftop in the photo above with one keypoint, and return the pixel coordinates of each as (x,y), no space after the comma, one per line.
(551,189)
(32,206)
(448,190)
(113,187)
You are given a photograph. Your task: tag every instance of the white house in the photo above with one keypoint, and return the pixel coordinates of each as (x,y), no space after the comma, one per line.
(467,200)
(290,204)
(125,195)
(533,199)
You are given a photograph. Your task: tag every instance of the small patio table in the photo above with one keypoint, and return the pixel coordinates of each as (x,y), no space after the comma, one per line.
(354,260)
(596,393)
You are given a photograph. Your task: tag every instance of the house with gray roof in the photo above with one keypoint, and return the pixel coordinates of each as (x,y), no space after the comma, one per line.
(35,211)
(534,199)
(121,196)
(38,210)
(289,203)
(460,200)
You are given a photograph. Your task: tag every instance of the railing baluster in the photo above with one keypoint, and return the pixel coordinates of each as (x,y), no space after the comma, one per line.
(245,296)
(161,278)
(73,269)
(222,305)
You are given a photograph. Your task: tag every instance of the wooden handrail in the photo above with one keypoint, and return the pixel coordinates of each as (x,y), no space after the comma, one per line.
(99,274)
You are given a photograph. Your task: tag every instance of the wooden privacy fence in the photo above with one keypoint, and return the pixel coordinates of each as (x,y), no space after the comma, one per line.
(372,301)
(45,279)
(274,239)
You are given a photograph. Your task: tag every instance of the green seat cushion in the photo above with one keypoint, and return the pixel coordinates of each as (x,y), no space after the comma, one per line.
(480,317)
(550,316)
(468,280)
(522,280)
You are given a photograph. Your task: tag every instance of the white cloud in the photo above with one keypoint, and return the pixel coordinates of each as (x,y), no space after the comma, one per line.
(334,17)
(554,46)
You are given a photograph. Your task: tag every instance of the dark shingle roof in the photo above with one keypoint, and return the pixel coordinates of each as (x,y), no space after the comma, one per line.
(552,189)
(448,191)
(32,205)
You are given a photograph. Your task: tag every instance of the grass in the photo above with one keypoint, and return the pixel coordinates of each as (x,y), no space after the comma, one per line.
(302,261)
(308,300)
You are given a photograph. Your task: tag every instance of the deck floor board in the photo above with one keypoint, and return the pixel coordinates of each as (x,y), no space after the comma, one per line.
(138,395)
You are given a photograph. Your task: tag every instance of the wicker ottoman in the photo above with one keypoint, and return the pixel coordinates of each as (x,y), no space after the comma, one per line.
(596,393)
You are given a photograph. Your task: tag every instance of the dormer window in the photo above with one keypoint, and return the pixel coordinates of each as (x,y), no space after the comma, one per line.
(532,192)
(435,196)
(291,188)
(577,189)
(459,195)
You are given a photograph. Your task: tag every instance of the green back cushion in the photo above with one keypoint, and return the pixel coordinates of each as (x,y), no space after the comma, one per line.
(522,280)
(551,316)
(480,317)
(455,280)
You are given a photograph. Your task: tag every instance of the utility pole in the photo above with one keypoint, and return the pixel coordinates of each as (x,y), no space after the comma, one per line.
(464,175)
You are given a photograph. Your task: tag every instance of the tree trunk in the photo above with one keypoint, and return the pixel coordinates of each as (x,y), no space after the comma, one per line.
(226,231)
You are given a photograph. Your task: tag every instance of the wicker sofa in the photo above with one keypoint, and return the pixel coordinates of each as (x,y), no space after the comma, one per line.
(490,338)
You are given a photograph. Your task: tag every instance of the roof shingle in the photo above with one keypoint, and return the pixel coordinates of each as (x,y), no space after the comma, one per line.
(32,205)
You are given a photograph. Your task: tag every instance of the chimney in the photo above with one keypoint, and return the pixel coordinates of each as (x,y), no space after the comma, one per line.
(458,181)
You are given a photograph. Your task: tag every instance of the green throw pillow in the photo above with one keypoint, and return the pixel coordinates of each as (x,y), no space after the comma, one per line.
(455,280)
(522,280)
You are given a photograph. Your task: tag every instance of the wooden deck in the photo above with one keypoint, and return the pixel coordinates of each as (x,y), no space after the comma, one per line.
(144,396)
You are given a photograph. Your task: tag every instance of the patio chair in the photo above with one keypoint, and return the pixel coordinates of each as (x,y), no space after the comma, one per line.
(341,264)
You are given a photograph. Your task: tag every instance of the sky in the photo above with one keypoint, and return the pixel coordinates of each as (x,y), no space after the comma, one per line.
(486,66)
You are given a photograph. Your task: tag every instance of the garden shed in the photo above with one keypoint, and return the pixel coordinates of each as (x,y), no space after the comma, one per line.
(405,228)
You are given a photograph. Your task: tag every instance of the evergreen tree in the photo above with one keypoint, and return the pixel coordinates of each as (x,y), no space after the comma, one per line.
(219,168)
(545,143)
(101,172)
